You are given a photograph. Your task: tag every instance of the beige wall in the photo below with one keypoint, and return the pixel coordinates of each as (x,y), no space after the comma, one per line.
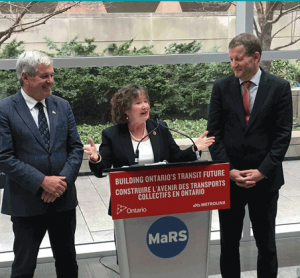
(159,29)
(146,28)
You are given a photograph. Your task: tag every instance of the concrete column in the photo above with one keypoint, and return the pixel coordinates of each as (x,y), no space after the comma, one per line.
(296,102)
(244,17)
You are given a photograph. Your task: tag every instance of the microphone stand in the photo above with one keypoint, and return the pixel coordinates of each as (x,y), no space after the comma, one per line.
(136,160)
(194,145)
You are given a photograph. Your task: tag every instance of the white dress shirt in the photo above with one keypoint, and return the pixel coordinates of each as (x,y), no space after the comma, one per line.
(146,155)
(34,110)
(252,88)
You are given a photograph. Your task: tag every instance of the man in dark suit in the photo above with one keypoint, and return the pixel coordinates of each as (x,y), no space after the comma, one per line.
(40,154)
(252,123)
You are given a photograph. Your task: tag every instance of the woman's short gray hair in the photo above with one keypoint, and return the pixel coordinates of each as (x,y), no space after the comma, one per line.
(27,62)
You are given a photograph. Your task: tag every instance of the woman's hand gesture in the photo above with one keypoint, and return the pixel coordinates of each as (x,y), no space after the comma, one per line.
(91,150)
(203,142)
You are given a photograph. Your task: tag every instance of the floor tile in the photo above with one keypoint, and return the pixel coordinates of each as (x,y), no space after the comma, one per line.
(96,217)
(105,235)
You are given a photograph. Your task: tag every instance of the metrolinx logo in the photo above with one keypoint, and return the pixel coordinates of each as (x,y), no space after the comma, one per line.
(167,237)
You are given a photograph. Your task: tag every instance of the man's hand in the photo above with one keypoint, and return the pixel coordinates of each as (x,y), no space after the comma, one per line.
(248,178)
(54,185)
(48,197)
(236,174)
(238,177)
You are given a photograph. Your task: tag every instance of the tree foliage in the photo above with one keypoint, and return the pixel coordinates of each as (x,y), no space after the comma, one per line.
(72,47)
(187,86)
(190,127)
(287,70)
(12,50)
(178,90)
(124,49)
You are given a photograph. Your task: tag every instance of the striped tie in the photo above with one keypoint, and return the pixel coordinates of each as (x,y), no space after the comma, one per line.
(43,125)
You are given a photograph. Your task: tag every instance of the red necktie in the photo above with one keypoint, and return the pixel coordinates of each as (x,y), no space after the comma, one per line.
(246,85)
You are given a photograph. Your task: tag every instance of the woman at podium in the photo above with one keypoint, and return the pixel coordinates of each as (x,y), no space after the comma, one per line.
(136,139)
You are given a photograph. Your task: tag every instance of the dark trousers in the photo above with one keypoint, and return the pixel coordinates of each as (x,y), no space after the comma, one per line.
(262,211)
(29,233)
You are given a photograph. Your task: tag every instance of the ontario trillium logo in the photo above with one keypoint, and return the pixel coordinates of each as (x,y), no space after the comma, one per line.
(120,208)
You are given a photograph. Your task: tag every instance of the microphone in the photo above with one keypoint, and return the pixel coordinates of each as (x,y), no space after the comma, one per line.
(194,145)
(136,160)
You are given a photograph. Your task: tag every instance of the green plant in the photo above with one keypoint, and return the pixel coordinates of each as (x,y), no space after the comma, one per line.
(191,47)
(178,90)
(286,70)
(94,131)
(72,47)
(296,123)
(12,49)
(217,70)
(193,128)
(9,82)
(186,87)
(124,49)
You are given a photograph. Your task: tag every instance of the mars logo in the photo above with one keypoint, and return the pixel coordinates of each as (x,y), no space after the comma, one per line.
(167,237)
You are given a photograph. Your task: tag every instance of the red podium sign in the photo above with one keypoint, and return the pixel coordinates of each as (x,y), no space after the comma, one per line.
(169,190)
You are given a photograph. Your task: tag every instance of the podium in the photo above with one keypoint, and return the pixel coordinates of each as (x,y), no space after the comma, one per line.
(162,217)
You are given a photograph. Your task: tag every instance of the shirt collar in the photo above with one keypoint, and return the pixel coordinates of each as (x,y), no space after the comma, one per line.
(255,78)
(31,102)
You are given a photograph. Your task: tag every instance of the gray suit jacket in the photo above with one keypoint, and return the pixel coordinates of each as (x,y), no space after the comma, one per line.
(25,159)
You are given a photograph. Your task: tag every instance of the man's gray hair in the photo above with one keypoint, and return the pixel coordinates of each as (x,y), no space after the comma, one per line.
(28,61)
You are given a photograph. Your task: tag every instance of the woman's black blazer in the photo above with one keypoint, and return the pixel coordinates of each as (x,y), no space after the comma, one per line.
(116,148)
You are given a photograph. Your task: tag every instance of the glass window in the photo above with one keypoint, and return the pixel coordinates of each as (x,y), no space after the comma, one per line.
(101,27)
(96,29)
(277,24)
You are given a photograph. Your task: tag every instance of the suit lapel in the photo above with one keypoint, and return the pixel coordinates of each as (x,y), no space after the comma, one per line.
(154,138)
(126,143)
(53,115)
(24,112)
(262,92)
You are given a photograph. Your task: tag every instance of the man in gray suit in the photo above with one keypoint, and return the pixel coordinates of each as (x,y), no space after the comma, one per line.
(40,154)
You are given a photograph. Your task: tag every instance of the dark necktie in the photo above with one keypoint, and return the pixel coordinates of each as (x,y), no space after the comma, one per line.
(246,85)
(43,125)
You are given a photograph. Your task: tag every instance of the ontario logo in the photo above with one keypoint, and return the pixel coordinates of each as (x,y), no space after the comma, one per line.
(121,208)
